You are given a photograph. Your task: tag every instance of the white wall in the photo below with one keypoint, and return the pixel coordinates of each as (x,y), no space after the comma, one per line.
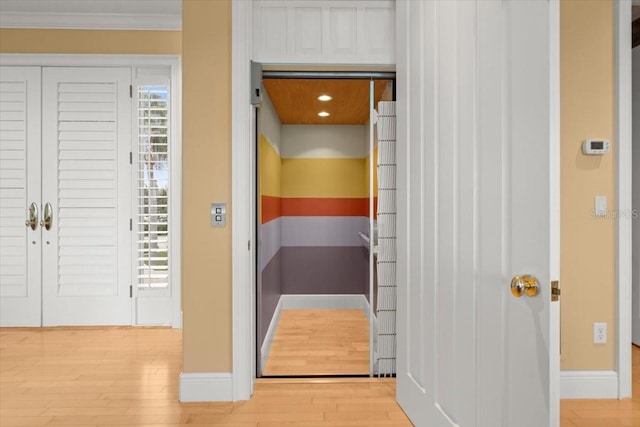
(269,122)
(324,141)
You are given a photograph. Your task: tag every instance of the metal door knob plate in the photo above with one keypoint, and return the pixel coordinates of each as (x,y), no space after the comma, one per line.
(525,284)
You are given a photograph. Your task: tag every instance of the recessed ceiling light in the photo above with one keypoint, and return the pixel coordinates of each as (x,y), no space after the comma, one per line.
(323,114)
(324,98)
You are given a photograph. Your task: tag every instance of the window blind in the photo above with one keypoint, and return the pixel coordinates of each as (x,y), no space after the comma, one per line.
(152,221)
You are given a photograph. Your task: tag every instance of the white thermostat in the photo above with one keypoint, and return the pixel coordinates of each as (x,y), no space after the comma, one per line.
(595,147)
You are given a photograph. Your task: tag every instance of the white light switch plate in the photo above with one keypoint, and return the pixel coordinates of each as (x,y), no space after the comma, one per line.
(601,206)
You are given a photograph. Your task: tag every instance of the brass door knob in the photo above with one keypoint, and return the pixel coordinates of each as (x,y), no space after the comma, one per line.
(525,284)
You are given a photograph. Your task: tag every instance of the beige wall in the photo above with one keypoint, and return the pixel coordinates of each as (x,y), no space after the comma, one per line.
(90,41)
(206,144)
(588,244)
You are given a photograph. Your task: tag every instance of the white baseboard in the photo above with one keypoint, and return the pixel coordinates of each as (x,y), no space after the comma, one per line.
(588,385)
(206,387)
(271,332)
(346,302)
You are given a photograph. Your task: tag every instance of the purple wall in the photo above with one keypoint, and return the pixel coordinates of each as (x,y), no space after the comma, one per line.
(324,269)
(269,294)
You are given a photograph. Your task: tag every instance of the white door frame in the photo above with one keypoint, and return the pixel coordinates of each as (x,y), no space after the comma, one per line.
(624,161)
(242,205)
(175,204)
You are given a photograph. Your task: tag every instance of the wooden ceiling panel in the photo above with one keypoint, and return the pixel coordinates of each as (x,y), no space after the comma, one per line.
(296,100)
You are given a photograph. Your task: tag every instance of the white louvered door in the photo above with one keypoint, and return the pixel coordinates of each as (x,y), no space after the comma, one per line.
(86,177)
(20,260)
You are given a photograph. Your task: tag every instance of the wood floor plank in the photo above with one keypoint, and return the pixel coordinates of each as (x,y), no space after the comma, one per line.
(319,342)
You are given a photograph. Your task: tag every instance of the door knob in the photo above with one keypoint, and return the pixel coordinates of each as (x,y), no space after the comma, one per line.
(525,284)
(32,221)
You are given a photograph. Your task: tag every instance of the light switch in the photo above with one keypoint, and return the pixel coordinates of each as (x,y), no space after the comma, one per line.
(218,214)
(601,206)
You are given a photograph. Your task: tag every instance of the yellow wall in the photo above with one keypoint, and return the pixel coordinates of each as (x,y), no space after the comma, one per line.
(206,145)
(323,178)
(270,176)
(367,165)
(90,41)
(270,172)
(588,244)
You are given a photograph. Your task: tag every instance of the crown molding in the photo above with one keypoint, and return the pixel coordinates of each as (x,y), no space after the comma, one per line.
(91,21)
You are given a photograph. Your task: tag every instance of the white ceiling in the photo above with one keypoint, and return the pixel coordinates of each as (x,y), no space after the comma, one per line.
(92,14)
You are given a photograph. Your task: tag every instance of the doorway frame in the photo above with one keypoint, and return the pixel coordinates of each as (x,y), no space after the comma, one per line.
(243,197)
(623,119)
(175,204)
(243,266)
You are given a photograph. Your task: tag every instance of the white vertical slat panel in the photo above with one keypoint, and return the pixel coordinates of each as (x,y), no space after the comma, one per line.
(386,260)
(87,141)
(20,261)
(314,31)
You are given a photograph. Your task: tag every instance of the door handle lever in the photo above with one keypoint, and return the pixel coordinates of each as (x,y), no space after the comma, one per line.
(48,217)
(32,220)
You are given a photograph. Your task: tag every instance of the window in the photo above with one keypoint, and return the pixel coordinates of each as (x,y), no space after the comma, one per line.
(153,192)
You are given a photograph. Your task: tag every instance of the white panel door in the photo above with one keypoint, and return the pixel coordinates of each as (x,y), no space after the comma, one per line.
(86,178)
(478,203)
(20,260)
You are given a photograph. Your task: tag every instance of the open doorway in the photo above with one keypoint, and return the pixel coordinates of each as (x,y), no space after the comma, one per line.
(316,206)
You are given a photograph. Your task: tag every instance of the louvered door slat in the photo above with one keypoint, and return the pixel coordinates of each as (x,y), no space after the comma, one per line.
(20,260)
(87,132)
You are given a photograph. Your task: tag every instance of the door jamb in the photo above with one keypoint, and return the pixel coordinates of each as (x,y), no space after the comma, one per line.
(622,104)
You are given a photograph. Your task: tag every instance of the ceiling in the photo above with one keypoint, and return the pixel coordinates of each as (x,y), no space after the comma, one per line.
(296,100)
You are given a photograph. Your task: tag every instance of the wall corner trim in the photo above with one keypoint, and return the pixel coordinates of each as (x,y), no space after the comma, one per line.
(206,387)
(588,385)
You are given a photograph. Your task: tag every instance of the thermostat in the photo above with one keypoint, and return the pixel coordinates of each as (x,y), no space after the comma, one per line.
(595,147)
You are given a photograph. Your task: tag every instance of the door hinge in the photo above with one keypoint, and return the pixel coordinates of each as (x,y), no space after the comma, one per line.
(555,290)
(130,157)
(130,291)
(130,224)
(249,245)
(130,91)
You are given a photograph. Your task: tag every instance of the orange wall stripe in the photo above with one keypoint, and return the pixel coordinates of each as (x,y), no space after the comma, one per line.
(275,207)
(271,208)
(325,206)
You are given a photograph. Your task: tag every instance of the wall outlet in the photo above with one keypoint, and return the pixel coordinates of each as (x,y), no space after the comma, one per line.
(599,333)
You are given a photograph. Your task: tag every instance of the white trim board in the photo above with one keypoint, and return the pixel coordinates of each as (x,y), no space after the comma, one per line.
(243,261)
(270,335)
(588,385)
(206,387)
(623,107)
(329,301)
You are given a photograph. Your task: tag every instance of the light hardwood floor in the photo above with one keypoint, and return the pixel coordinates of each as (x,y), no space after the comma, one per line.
(129,377)
(605,413)
(320,342)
